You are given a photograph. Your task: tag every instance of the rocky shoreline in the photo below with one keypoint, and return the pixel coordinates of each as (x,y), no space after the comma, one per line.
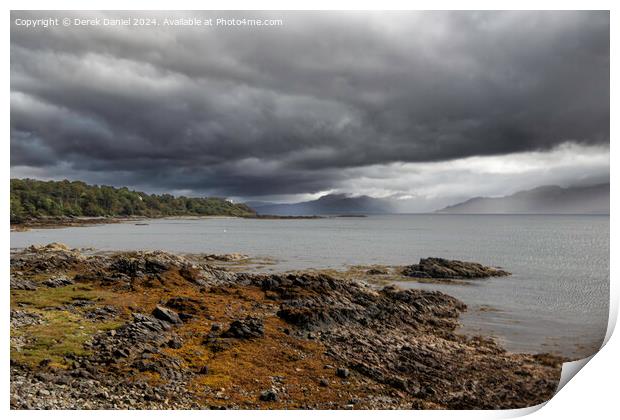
(65,221)
(161,331)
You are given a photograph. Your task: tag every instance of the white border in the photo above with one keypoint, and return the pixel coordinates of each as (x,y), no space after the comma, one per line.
(593,394)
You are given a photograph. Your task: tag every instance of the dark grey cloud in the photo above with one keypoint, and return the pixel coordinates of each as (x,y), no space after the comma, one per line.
(294,109)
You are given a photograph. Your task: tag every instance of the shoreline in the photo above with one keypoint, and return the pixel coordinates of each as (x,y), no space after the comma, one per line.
(503,323)
(180,332)
(64,222)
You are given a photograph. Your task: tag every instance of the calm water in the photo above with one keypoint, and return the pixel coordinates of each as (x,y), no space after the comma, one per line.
(556,300)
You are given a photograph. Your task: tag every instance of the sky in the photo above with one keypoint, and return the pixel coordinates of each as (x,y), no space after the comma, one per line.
(427,108)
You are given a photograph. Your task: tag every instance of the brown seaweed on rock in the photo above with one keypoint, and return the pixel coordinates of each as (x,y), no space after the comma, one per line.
(405,339)
(156,330)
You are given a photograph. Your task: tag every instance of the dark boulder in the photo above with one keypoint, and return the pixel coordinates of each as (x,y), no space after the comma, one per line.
(441,268)
(269,395)
(245,328)
(167,315)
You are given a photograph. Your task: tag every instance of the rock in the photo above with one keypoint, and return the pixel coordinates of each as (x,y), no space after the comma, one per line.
(440,268)
(175,343)
(62,380)
(145,366)
(101,313)
(82,373)
(246,328)
(226,257)
(22,284)
(167,315)
(144,334)
(58,282)
(401,346)
(376,271)
(269,395)
(120,353)
(21,319)
(138,264)
(51,247)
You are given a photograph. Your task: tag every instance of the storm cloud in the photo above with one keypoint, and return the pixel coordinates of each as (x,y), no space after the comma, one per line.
(328,101)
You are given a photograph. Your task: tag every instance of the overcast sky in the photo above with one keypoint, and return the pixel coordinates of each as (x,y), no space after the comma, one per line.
(427,107)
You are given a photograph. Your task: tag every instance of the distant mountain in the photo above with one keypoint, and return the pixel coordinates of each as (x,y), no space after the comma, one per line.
(542,200)
(331,204)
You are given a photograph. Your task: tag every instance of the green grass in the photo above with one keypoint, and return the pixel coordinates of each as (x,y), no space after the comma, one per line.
(61,334)
(45,297)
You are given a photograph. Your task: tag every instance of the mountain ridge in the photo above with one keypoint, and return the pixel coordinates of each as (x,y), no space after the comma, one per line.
(330,204)
(546,199)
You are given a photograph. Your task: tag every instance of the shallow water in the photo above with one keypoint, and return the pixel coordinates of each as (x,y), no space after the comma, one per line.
(556,300)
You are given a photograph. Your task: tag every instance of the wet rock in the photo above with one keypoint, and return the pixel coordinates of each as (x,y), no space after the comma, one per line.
(167,315)
(441,268)
(246,328)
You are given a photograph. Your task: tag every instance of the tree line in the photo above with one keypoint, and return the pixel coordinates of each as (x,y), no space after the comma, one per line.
(34,199)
